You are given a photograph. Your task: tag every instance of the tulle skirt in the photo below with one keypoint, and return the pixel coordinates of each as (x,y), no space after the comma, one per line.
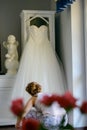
(39,63)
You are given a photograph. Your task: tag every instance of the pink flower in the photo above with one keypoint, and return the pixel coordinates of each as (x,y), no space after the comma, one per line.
(83,107)
(55,97)
(68,101)
(17,107)
(30,124)
(47,100)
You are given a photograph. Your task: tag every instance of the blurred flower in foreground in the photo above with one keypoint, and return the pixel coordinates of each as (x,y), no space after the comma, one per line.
(66,101)
(83,107)
(32,124)
(17,107)
(47,100)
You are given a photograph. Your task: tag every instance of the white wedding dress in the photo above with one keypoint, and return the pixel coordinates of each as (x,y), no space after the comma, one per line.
(40,64)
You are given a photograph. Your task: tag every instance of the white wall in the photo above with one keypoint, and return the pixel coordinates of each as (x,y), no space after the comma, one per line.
(78,57)
(73,54)
(52,4)
(85,36)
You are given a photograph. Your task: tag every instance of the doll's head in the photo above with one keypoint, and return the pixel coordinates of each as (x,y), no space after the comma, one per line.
(33,88)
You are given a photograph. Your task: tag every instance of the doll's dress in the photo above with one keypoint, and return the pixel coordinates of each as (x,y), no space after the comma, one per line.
(50,116)
(39,63)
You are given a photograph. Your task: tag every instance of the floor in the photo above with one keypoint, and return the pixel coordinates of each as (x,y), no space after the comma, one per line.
(7,128)
(13,128)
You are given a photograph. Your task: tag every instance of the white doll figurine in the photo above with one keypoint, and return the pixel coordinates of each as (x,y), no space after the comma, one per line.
(11,62)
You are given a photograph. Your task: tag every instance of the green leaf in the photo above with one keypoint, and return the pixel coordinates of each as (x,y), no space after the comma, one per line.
(67,127)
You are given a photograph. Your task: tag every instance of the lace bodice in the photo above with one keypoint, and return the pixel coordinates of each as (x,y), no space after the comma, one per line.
(39,34)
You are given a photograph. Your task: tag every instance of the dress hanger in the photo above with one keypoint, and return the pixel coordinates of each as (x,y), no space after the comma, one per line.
(37,16)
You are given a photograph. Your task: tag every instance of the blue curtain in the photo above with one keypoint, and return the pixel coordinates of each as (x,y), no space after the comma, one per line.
(62,4)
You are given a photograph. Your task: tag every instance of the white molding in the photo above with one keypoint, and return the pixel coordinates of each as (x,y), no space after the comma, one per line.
(6,87)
